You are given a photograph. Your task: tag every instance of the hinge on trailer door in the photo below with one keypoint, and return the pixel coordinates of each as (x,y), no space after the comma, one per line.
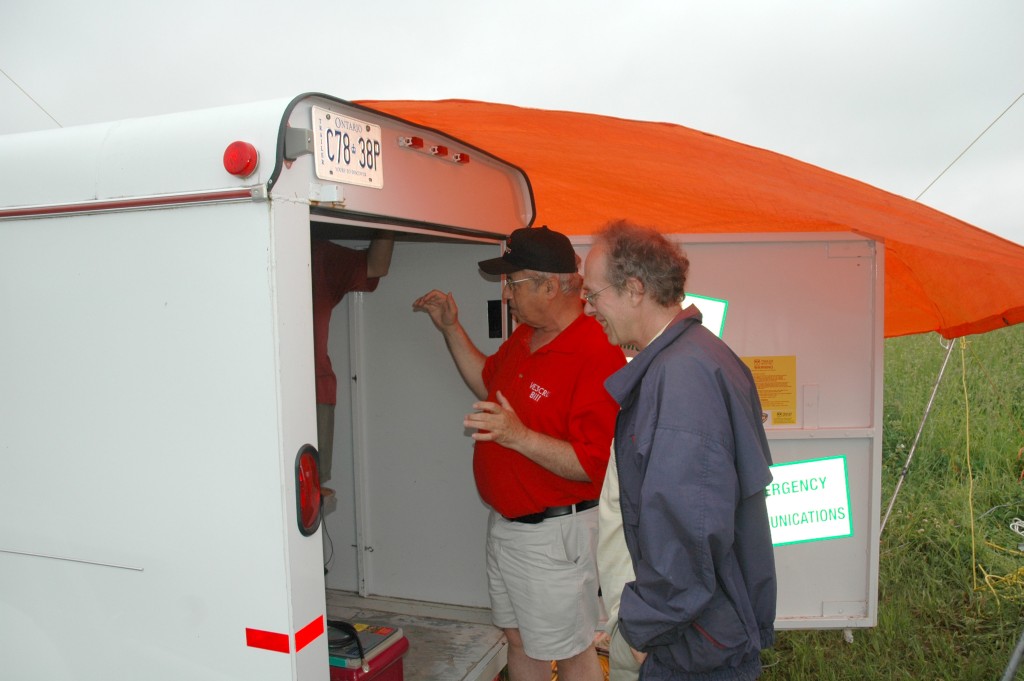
(297,141)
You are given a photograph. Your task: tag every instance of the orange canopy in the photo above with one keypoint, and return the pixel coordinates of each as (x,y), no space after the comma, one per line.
(941,274)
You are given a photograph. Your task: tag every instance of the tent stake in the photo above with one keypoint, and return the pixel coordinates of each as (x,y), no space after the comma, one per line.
(924,419)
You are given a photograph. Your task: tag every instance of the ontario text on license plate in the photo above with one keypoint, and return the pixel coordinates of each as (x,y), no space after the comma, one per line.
(347,150)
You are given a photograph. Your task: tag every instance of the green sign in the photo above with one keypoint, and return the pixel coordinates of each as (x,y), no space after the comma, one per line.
(809,501)
(712,310)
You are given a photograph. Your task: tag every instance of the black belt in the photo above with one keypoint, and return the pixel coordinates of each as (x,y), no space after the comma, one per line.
(553,512)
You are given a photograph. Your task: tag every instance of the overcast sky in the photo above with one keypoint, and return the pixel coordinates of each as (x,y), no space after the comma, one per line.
(889,92)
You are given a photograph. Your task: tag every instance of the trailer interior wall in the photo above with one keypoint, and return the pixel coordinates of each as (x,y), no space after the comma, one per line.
(409,523)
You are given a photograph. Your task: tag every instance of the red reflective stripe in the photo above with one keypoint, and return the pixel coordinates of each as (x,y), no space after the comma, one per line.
(309,633)
(267,640)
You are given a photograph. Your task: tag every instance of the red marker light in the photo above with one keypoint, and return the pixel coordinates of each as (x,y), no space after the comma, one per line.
(411,142)
(439,150)
(241,159)
(307,489)
(461,157)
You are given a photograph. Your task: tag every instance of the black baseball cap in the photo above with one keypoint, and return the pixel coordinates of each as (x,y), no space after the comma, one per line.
(534,248)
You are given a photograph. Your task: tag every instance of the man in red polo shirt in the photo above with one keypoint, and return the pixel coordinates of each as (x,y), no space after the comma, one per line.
(543,432)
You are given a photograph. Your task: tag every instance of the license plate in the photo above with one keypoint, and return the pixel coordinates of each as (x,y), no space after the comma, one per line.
(347,150)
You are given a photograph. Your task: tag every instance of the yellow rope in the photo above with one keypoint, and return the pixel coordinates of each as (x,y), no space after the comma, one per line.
(1010,585)
(1014,581)
(989,579)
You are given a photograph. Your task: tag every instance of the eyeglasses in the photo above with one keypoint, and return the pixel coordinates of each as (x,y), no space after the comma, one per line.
(510,284)
(589,297)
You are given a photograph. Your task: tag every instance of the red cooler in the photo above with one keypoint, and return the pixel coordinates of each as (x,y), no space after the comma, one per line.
(385,666)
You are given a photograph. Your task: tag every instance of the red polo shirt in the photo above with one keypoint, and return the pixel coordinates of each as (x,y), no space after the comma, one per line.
(558,391)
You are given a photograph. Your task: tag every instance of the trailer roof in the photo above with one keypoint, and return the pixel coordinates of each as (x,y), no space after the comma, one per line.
(941,274)
(177,153)
(308,150)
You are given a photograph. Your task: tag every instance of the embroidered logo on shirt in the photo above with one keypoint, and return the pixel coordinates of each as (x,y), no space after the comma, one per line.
(537,392)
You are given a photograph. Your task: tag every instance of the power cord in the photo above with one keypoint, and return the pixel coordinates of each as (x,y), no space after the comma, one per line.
(348,635)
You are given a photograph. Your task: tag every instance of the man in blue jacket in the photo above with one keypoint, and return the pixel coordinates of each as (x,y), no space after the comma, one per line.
(692,460)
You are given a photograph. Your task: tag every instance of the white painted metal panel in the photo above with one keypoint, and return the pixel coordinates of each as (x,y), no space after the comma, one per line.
(140,397)
(833,583)
(177,153)
(290,283)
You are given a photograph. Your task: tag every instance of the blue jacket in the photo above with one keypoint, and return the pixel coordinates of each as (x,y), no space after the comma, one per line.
(693,464)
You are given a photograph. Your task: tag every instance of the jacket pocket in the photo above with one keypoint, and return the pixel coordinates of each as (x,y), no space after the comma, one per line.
(717,638)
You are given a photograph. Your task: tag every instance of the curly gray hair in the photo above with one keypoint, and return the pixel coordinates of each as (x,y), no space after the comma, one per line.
(644,253)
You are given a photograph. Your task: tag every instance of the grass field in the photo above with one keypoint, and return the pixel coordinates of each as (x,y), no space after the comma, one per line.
(951,575)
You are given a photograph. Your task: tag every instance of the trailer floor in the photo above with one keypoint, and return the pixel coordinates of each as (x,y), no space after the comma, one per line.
(446,643)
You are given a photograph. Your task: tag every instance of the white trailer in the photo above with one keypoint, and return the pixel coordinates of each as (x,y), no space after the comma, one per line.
(157,395)
(158,389)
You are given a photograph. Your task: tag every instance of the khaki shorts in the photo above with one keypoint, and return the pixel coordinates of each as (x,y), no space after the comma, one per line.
(622,666)
(542,581)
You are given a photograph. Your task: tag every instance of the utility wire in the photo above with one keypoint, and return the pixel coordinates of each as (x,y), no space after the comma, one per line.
(31,98)
(968,148)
